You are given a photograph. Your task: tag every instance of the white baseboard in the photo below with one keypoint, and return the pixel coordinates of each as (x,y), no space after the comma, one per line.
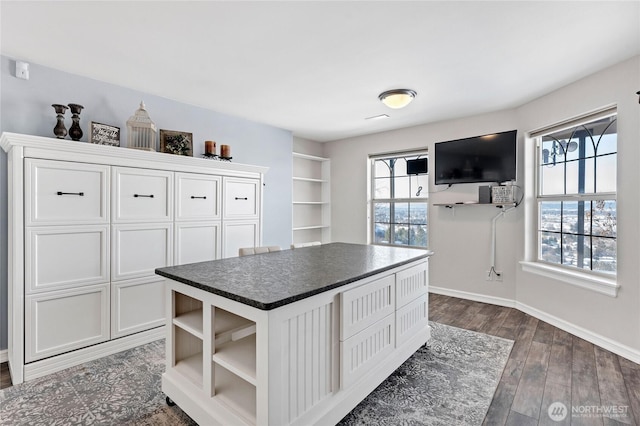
(4,356)
(508,303)
(598,340)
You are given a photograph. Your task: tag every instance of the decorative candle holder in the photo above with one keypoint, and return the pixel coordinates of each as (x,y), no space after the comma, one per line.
(225,152)
(210,147)
(59,130)
(75,131)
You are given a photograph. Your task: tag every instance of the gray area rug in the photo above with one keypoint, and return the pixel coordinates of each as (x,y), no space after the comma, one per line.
(449,382)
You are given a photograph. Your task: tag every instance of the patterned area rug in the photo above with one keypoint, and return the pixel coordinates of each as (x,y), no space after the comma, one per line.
(449,382)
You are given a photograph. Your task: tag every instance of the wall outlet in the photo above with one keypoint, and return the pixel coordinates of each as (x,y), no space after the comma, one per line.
(488,276)
(498,276)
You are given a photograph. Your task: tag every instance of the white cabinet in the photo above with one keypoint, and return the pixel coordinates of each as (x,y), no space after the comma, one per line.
(142,195)
(61,321)
(198,197)
(238,234)
(137,250)
(197,242)
(311,198)
(198,226)
(137,305)
(66,256)
(89,224)
(241,210)
(61,192)
(241,198)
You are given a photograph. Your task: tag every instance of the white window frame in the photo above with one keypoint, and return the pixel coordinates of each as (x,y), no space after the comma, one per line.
(592,280)
(372,200)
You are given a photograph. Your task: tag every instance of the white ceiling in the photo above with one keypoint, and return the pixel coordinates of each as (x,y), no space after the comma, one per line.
(316,68)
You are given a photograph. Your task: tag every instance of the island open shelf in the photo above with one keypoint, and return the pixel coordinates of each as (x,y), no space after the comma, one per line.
(276,351)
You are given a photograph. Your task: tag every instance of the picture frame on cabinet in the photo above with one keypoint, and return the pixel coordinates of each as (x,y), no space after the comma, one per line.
(104,134)
(176,142)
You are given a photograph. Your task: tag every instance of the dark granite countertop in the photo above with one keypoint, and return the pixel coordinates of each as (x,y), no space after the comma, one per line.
(270,280)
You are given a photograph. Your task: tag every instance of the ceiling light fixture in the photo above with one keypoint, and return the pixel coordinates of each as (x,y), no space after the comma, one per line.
(397,98)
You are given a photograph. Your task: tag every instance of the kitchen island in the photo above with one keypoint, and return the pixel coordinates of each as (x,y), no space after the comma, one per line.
(291,337)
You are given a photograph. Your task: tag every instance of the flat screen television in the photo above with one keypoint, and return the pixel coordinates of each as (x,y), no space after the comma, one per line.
(418,166)
(487,158)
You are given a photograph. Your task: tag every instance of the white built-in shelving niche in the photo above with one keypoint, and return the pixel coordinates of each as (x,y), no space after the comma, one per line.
(311,199)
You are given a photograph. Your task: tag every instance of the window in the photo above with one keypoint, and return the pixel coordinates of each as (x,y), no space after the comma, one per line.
(399,202)
(576,195)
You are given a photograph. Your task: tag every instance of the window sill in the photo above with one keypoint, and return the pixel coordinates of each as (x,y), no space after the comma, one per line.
(599,284)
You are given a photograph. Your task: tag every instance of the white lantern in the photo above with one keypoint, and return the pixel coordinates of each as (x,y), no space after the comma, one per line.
(141,130)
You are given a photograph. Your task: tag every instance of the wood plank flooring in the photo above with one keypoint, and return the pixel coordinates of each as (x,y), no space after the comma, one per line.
(546,366)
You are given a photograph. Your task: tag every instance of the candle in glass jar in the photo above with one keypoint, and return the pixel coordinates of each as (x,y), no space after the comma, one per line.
(209,147)
(225,151)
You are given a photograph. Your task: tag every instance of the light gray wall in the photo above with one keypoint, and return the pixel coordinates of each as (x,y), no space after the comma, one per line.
(461,237)
(25,107)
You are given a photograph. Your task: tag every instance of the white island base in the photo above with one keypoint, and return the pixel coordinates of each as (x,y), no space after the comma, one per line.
(307,362)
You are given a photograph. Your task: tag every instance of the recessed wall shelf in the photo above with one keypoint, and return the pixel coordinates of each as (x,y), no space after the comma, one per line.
(311,199)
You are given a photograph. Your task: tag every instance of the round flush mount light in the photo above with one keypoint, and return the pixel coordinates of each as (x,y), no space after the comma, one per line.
(397,98)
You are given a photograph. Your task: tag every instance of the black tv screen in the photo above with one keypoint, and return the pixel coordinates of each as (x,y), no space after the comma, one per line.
(487,158)
(417,167)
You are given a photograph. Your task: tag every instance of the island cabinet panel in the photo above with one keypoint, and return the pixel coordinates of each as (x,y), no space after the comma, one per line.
(88,226)
(411,283)
(366,304)
(305,361)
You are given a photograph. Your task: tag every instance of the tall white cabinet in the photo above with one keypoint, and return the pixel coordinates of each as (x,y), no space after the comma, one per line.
(88,226)
(311,199)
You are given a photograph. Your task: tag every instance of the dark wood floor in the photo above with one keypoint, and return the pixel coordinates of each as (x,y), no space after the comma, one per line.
(546,365)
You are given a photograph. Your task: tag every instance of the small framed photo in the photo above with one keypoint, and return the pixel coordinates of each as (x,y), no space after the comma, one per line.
(174,142)
(104,134)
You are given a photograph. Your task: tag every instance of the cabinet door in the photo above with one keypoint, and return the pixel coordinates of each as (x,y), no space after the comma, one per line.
(142,195)
(197,242)
(241,198)
(60,192)
(137,250)
(236,235)
(65,256)
(61,321)
(363,351)
(411,283)
(137,305)
(366,304)
(197,197)
(411,318)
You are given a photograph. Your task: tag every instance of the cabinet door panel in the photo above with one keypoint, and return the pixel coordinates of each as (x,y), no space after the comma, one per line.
(62,257)
(62,321)
(410,319)
(60,192)
(411,283)
(241,198)
(197,242)
(137,250)
(361,352)
(366,304)
(142,195)
(137,305)
(238,235)
(197,197)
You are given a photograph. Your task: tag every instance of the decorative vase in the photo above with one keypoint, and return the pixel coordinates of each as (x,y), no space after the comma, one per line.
(60,131)
(75,131)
